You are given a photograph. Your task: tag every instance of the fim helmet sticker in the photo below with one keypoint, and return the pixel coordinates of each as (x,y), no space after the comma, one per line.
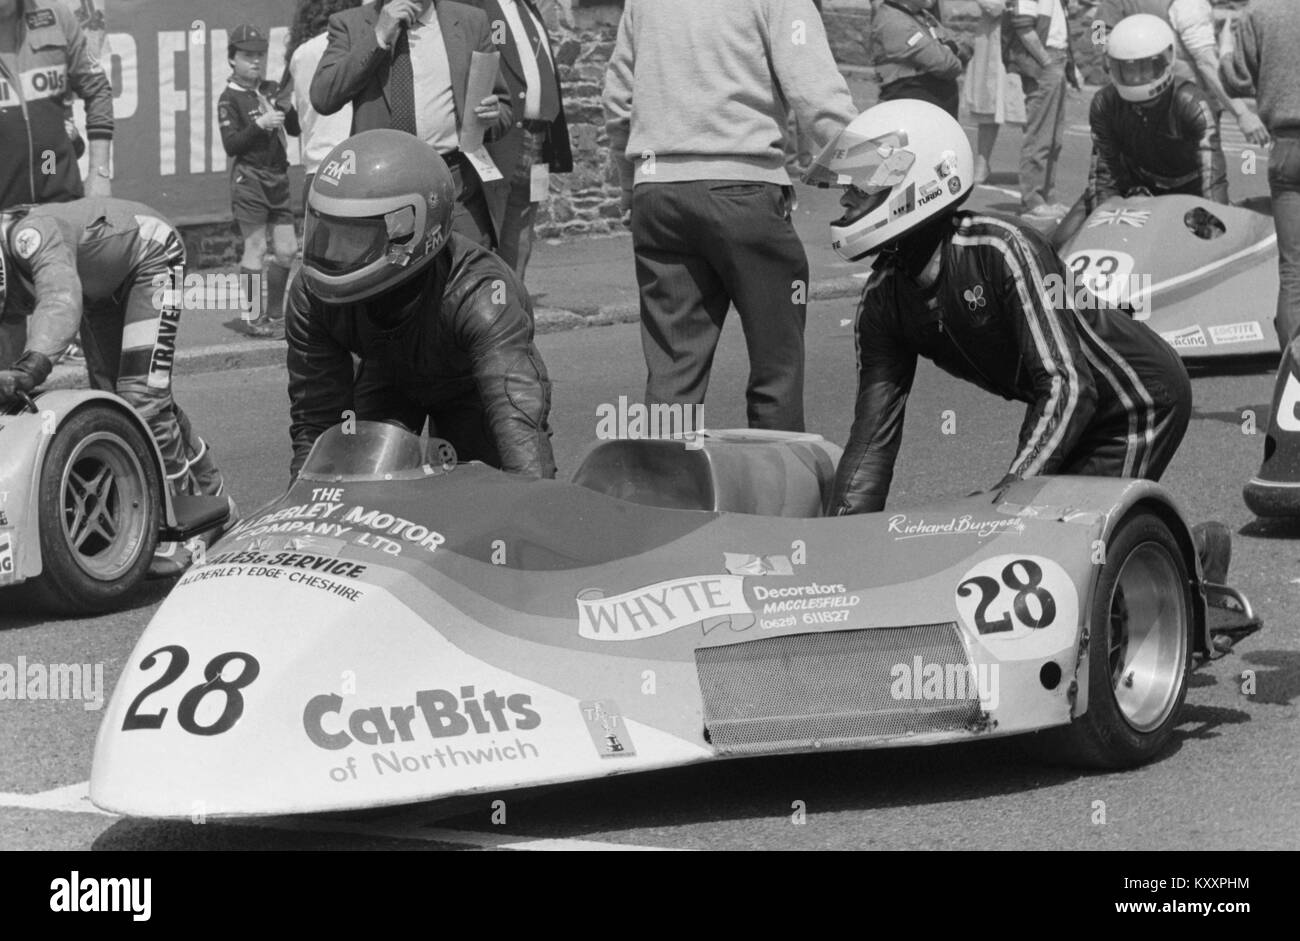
(336,169)
(954,185)
(608,733)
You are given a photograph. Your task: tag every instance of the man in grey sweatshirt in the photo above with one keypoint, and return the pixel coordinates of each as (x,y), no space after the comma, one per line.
(1260,55)
(696,98)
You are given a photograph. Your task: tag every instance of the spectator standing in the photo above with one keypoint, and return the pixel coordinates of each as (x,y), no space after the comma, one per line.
(38,154)
(991,95)
(1036,46)
(379,56)
(695,118)
(317,133)
(1259,55)
(1197,57)
(253,134)
(44,36)
(540,135)
(915,56)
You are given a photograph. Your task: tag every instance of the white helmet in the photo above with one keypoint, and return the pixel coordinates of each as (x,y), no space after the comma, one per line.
(1140,57)
(910,157)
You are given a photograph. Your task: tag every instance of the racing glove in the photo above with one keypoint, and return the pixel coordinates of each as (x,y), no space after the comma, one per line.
(23,376)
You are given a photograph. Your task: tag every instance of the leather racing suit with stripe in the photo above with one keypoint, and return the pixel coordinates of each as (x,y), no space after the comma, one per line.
(1106,395)
(105,266)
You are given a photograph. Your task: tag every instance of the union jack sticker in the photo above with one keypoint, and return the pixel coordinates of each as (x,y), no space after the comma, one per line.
(1134,217)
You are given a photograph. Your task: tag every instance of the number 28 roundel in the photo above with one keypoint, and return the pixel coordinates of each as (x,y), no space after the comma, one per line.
(1020,606)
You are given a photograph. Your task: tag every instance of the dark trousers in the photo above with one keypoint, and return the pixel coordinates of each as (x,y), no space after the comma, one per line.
(700,247)
(1284,186)
(1140,440)
(471,217)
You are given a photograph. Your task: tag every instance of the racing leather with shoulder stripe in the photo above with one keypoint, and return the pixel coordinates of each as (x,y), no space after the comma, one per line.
(1170,145)
(466,329)
(52,60)
(987,319)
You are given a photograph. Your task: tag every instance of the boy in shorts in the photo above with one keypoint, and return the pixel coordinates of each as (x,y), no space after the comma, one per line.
(252,131)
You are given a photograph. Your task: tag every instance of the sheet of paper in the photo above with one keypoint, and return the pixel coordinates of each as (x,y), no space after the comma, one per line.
(482,76)
(540,183)
(483,165)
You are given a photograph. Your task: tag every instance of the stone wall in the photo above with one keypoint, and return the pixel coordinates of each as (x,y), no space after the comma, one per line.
(585,201)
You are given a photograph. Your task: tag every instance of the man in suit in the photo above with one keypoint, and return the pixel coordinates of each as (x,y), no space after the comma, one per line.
(404,64)
(540,135)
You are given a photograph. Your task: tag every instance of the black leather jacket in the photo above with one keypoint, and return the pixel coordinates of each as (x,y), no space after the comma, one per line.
(473,333)
(993,318)
(1172,146)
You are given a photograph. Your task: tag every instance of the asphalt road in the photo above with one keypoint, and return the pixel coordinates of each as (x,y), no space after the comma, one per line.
(1227,782)
(1224,784)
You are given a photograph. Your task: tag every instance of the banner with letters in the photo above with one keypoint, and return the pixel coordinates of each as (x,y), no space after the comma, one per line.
(167,62)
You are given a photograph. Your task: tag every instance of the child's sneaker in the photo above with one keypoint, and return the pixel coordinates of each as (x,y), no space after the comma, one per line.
(267,328)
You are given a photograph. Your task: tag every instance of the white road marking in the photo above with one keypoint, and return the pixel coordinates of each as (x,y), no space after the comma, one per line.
(72,799)
(441,835)
(75,799)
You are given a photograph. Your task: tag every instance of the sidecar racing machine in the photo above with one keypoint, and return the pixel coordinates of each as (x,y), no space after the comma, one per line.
(398,628)
(83,502)
(1201,274)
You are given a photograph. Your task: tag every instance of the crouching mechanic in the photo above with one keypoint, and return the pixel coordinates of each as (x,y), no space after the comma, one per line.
(1152,134)
(442,328)
(102,266)
(970,291)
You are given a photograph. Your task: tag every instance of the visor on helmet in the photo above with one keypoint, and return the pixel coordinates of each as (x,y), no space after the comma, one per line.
(872,165)
(1134,72)
(338,245)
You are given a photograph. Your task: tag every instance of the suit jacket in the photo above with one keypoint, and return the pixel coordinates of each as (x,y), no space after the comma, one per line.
(507,149)
(356,70)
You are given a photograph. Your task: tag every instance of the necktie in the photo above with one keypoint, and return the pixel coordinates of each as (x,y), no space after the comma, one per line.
(401,86)
(550,101)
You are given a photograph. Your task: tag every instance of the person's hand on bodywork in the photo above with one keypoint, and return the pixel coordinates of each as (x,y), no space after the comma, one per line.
(23,376)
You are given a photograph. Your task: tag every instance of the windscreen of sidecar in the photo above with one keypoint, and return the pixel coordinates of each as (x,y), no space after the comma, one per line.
(375,451)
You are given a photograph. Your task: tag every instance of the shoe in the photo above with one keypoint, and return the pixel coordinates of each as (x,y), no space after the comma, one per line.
(174,558)
(73,356)
(170,559)
(1213,544)
(267,328)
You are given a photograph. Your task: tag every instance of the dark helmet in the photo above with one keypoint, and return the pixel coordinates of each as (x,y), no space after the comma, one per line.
(378,213)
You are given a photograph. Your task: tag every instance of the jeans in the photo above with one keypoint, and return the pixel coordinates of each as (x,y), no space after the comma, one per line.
(1284,186)
(1044,117)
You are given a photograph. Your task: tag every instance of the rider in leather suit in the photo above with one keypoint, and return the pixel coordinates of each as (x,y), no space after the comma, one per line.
(1151,133)
(981,296)
(441,326)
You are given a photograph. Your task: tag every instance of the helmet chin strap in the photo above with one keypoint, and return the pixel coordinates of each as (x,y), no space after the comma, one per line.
(914,251)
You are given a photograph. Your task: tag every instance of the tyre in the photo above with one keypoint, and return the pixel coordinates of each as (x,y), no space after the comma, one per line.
(1139,652)
(98,511)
